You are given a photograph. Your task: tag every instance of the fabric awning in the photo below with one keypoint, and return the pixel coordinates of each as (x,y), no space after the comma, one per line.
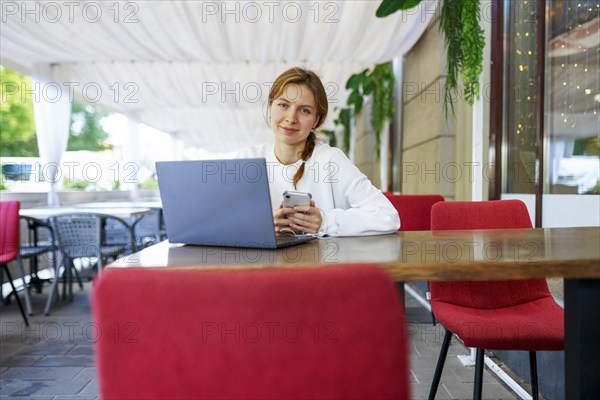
(200,69)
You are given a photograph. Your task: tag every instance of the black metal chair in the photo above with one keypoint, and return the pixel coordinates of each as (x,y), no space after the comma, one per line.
(38,240)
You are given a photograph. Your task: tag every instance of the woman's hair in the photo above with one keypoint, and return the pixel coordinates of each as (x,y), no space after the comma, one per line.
(308,78)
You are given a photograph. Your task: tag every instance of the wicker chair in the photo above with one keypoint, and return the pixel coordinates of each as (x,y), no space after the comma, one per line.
(87,236)
(147,228)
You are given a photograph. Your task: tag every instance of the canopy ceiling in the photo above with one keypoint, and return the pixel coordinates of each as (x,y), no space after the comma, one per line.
(200,70)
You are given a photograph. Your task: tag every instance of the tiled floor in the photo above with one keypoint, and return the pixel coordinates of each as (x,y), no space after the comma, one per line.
(54,357)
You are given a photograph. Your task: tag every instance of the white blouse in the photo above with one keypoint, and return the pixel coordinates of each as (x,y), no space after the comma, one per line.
(350,205)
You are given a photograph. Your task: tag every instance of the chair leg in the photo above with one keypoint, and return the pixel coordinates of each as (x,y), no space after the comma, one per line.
(53,289)
(478,374)
(69,283)
(25,286)
(14,290)
(440,365)
(533,369)
(79,281)
(433,320)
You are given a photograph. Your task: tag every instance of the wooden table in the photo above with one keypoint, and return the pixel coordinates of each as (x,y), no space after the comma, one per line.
(571,253)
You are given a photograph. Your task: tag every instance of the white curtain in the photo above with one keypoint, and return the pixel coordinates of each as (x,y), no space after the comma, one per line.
(203,69)
(52,112)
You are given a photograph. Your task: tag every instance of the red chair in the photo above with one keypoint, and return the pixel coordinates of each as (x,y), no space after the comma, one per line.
(9,246)
(332,332)
(414,209)
(415,215)
(501,315)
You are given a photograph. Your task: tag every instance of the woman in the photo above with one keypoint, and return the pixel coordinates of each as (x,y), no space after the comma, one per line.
(345,203)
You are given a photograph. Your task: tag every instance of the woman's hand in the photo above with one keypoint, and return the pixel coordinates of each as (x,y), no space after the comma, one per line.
(300,219)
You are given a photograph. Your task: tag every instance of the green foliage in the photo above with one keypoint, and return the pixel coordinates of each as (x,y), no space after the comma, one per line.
(149,183)
(452,36)
(343,119)
(378,83)
(388,7)
(3,182)
(459,23)
(472,42)
(330,135)
(381,84)
(87,132)
(594,190)
(17,125)
(592,146)
(356,84)
(75,183)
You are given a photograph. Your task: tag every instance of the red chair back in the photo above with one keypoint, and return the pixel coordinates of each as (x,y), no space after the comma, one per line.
(332,332)
(414,209)
(9,230)
(495,214)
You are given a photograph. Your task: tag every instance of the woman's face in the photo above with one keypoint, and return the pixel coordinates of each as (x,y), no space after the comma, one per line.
(293,114)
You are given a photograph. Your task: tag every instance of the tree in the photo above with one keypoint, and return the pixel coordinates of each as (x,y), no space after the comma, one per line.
(87,132)
(17,126)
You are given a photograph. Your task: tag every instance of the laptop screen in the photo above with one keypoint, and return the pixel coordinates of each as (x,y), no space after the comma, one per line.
(217,202)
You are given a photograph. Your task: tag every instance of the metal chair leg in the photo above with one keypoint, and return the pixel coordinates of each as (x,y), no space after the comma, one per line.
(53,289)
(14,291)
(478,374)
(25,287)
(440,365)
(533,369)
(79,281)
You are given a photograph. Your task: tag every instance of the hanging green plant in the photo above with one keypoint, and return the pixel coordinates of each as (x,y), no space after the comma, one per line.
(459,23)
(388,7)
(378,83)
(465,43)
(344,119)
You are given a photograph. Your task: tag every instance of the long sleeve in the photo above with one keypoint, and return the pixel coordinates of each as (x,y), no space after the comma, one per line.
(359,208)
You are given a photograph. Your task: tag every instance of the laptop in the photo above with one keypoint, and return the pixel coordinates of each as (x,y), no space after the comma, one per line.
(220,203)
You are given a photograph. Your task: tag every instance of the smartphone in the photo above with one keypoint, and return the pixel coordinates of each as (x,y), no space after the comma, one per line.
(292,198)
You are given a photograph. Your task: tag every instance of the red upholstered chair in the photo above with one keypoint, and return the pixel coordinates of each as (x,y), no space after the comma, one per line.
(331,332)
(414,209)
(415,215)
(9,246)
(501,315)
